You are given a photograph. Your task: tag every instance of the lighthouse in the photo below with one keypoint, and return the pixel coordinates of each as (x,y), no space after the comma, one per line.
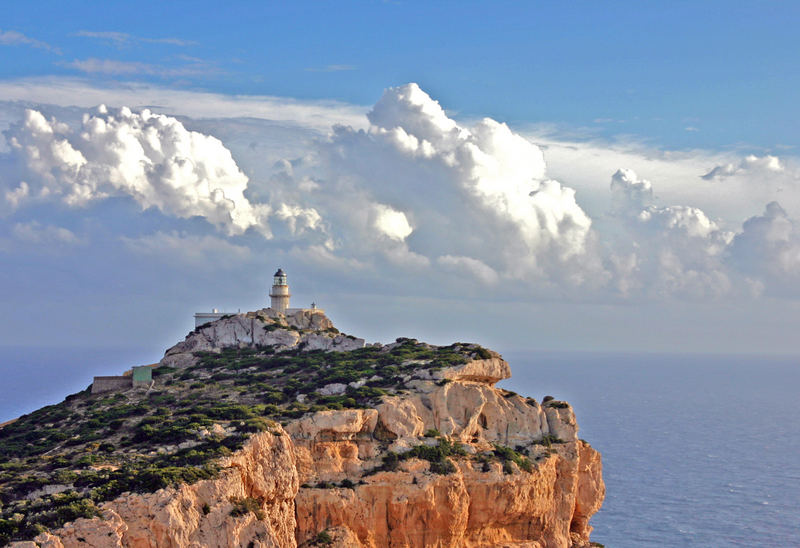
(279,296)
(279,302)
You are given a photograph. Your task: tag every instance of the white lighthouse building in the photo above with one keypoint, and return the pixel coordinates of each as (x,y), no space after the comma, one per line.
(279,296)
(279,302)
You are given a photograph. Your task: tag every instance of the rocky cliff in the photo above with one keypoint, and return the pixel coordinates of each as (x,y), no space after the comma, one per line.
(404,444)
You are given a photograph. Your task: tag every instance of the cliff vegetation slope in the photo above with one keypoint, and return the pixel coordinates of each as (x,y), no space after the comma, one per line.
(264,430)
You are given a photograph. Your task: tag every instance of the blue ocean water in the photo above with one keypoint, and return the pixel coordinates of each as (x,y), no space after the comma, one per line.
(698,451)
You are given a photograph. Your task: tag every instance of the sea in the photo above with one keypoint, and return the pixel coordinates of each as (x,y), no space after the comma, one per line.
(698,450)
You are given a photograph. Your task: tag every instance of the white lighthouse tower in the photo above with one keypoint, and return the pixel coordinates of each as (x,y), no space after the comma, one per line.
(279,296)
(279,302)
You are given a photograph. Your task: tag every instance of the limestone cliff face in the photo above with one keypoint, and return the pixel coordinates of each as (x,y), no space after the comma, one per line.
(479,504)
(327,472)
(200,514)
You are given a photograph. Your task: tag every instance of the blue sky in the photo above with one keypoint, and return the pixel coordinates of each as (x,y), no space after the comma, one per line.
(651,69)
(617,176)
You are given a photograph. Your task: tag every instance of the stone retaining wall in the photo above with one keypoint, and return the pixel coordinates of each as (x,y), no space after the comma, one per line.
(109,384)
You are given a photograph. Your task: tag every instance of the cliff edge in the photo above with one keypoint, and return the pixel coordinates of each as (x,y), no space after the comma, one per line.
(266,430)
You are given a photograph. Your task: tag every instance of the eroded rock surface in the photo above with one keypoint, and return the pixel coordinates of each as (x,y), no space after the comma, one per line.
(329,475)
(305,329)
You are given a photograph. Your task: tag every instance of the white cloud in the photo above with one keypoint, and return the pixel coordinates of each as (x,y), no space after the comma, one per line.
(471,266)
(94,65)
(416,193)
(689,220)
(666,250)
(209,252)
(628,192)
(768,248)
(476,192)
(36,233)
(150,157)
(587,165)
(299,219)
(391,223)
(18,195)
(321,257)
(748,164)
(319,115)
(121,39)
(14,38)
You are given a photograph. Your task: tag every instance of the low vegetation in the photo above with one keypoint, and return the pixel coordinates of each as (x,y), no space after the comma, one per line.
(90,448)
(506,455)
(323,538)
(437,455)
(248,505)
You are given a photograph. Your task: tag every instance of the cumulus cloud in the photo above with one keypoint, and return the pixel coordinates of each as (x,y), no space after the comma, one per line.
(150,157)
(479,191)
(666,249)
(586,165)
(414,193)
(628,193)
(391,223)
(17,195)
(189,250)
(299,219)
(768,248)
(748,164)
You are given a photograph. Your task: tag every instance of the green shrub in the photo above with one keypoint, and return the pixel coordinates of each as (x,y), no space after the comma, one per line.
(59,462)
(437,455)
(547,440)
(65,477)
(256,424)
(323,538)
(248,505)
(391,461)
(508,455)
(442,467)
(106,447)
(250,388)
(483,353)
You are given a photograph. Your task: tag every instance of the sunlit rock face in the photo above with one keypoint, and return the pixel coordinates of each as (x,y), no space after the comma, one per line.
(305,329)
(444,459)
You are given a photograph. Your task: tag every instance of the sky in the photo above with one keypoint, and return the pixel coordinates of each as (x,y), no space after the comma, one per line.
(617,176)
